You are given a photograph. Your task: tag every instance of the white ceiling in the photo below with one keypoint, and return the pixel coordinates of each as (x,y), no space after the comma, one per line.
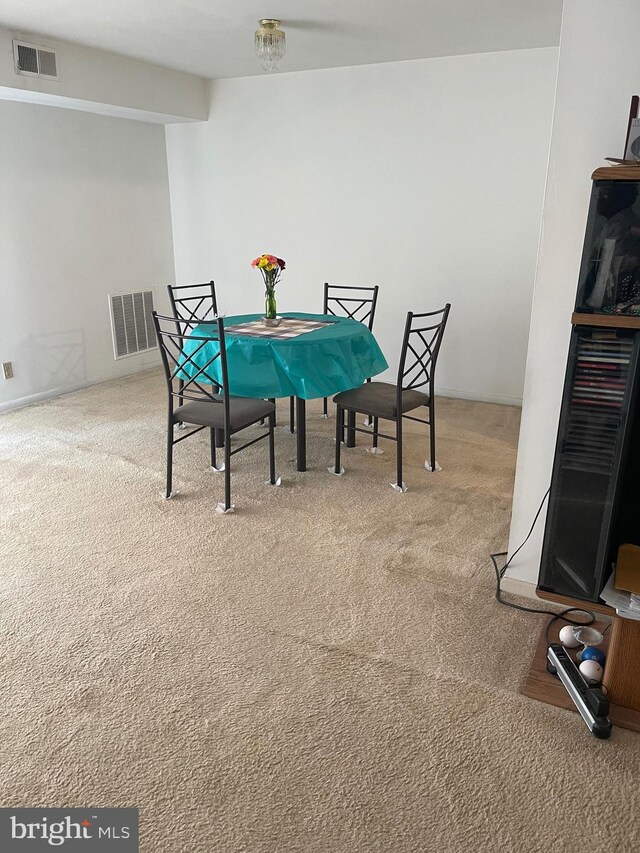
(214,38)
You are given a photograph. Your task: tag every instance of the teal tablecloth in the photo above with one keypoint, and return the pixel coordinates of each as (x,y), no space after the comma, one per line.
(316,364)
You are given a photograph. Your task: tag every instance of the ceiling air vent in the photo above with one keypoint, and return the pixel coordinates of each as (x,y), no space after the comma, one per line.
(132,323)
(34,61)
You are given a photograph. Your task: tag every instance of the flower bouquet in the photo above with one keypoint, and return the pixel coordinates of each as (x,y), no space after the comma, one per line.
(271,268)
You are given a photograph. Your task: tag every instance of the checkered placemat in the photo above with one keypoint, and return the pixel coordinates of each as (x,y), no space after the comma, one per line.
(291,327)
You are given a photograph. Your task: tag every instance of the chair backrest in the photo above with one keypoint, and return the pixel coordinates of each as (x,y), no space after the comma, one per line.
(359,303)
(420,347)
(193,363)
(193,303)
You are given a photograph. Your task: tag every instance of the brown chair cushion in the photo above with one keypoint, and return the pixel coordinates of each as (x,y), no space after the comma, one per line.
(379,400)
(243,411)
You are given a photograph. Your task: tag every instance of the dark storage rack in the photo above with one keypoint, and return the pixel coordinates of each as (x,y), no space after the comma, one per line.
(594,500)
(597,423)
(596,401)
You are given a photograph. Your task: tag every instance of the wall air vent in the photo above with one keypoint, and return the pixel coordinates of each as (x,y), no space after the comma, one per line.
(35,61)
(132,323)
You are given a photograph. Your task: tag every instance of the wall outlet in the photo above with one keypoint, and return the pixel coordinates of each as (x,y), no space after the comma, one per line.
(7,370)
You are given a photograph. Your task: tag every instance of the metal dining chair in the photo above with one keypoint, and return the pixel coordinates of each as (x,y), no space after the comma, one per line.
(358,303)
(414,388)
(190,381)
(193,303)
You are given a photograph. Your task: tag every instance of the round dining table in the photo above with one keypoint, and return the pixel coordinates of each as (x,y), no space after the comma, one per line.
(336,354)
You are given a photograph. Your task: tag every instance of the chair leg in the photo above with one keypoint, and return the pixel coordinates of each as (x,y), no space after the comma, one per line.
(272,400)
(351,429)
(301,434)
(292,414)
(180,400)
(325,410)
(399,483)
(432,434)
(368,419)
(272,449)
(375,432)
(212,435)
(167,493)
(227,472)
(339,431)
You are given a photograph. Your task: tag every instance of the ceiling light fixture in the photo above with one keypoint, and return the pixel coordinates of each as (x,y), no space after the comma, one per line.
(270,43)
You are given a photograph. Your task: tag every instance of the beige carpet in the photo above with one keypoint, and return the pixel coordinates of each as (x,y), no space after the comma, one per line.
(325,671)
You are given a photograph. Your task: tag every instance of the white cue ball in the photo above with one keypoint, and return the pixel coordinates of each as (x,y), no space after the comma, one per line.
(591,670)
(566,637)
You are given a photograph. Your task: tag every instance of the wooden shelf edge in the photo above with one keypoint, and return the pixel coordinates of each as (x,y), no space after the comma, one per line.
(623,172)
(603,609)
(606,321)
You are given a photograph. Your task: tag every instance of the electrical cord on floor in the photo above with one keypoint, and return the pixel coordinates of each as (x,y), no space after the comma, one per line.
(555,615)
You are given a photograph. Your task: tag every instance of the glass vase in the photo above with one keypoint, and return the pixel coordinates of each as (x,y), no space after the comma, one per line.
(270,310)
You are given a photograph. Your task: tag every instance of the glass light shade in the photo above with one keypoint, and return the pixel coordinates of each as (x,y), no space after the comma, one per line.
(270,43)
(587,636)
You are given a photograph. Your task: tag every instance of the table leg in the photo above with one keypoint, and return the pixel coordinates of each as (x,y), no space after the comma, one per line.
(301,434)
(292,415)
(351,433)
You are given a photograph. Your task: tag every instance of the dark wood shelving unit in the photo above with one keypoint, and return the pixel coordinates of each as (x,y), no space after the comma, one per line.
(594,499)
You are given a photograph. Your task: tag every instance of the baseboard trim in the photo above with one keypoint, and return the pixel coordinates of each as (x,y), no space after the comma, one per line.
(41,396)
(479,398)
(517,587)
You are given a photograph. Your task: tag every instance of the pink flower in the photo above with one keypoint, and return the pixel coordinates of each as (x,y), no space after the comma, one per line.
(270,266)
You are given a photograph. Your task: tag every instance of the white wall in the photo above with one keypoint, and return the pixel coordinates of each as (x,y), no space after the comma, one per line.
(425,177)
(85,212)
(102,82)
(599,70)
